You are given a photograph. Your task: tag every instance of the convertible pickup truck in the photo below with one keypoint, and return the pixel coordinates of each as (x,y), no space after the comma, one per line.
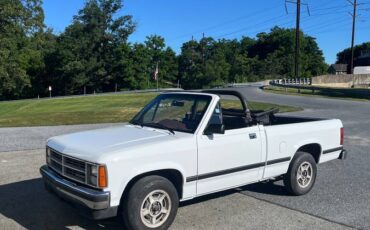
(182,145)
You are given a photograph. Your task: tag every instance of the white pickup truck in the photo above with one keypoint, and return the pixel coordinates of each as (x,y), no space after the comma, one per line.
(184,145)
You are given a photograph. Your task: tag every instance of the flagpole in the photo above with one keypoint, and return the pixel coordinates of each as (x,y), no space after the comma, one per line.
(157,76)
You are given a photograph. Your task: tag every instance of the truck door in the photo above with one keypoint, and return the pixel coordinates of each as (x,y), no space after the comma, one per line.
(230,159)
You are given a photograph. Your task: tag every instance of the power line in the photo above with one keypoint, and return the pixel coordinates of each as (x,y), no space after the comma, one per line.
(222,24)
(329,13)
(329,23)
(328,8)
(329,28)
(316,14)
(250,26)
(259,30)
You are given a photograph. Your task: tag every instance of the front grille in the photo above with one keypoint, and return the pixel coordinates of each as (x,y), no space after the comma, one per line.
(69,167)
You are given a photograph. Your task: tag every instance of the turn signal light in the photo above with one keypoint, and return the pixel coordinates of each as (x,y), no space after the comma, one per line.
(103,180)
(341,136)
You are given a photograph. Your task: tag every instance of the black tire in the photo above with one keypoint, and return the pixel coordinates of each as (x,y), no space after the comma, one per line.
(132,204)
(292,184)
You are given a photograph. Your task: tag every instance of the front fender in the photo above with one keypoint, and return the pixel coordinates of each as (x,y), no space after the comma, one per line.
(140,169)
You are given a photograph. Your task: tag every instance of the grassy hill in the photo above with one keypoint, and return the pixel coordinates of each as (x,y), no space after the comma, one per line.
(84,110)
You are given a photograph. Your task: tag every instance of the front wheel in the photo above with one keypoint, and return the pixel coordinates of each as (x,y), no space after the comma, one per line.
(301,174)
(151,203)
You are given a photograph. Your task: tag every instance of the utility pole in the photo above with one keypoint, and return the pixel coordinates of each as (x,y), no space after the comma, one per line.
(297,30)
(353,32)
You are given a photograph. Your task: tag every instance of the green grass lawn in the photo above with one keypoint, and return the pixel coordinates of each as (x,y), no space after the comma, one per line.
(85,110)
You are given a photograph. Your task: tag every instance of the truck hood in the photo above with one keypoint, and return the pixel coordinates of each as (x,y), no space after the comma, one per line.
(89,145)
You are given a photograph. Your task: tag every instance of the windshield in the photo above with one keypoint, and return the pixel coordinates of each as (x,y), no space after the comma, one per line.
(174,112)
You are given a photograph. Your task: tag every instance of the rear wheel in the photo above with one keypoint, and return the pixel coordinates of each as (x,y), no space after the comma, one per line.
(151,203)
(301,174)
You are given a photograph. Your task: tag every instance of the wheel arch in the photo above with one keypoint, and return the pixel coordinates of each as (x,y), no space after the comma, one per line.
(314,149)
(173,175)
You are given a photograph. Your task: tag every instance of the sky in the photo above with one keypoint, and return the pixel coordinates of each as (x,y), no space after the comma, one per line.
(177,21)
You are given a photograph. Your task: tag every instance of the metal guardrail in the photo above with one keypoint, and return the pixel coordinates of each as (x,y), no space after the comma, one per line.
(339,92)
(293,81)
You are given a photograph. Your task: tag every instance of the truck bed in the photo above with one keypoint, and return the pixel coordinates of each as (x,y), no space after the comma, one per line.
(234,119)
(283,120)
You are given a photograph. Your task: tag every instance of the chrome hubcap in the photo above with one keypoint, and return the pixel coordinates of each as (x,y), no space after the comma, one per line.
(304,174)
(155,208)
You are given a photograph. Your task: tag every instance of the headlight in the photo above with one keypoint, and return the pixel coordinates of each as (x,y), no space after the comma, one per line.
(92,175)
(97,176)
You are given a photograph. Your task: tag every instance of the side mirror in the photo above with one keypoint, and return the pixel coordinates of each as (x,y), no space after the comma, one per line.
(214,128)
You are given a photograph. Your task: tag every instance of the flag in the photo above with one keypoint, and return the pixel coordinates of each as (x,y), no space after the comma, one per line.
(155,76)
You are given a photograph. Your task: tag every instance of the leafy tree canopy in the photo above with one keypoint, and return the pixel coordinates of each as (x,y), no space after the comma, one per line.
(93,54)
(209,63)
(344,56)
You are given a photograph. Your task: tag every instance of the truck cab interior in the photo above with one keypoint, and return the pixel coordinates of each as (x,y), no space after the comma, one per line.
(236,113)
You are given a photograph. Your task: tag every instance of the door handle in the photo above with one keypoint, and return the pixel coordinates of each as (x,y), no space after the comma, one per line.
(252,136)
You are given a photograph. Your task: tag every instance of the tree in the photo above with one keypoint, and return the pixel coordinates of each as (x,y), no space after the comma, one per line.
(137,64)
(189,62)
(164,56)
(93,54)
(344,56)
(41,63)
(276,50)
(21,22)
(209,63)
(86,50)
(140,66)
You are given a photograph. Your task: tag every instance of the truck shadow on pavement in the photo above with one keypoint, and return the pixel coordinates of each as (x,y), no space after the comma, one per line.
(32,207)
(269,188)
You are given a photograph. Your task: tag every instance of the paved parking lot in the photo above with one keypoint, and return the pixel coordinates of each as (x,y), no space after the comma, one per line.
(25,204)
(342,189)
(340,198)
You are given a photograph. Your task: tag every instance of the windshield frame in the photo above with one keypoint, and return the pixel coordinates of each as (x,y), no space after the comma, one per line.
(137,119)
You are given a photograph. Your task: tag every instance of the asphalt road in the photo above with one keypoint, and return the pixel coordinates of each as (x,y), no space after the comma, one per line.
(28,138)
(25,204)
(342,189)
(341,196)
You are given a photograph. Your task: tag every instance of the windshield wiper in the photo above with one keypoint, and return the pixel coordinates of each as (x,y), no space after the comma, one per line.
(136,123)
(161,126)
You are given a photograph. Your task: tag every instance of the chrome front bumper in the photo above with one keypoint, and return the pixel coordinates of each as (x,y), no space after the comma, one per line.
(95,203)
